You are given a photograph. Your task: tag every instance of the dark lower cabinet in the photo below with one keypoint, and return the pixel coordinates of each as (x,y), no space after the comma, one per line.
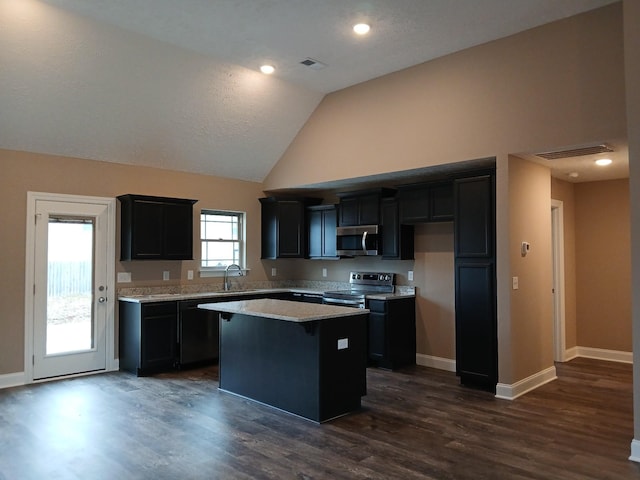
(198,334)
(475,282)
(392,332)
(148,337)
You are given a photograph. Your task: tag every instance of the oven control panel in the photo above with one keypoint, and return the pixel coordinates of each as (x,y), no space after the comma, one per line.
(372,278)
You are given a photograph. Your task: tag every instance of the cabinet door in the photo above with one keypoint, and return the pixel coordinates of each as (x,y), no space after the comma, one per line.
(147,226)
(269,226)
(397,240)
(178,231)
(377,337)
(414,205)
(290,229)
(348,209)
(329,221)
(316,233)
(158,342)
(441,202)
(369,211)
(390,229)
(474,217)
(476,333)
(198,333)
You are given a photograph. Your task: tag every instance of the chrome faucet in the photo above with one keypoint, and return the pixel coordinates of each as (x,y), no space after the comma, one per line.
(226,274)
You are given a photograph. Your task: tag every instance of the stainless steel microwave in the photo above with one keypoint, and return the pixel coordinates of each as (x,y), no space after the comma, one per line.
(358,240)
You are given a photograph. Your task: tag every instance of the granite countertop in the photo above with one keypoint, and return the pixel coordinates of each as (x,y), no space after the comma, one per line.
(401,292)
(284,309)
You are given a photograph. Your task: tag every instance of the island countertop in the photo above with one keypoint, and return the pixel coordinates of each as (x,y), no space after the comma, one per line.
(283,309)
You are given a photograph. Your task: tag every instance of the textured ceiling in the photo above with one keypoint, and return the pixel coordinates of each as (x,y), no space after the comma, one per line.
(175,84)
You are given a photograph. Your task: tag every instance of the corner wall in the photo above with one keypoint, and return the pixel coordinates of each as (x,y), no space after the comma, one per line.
(531,302)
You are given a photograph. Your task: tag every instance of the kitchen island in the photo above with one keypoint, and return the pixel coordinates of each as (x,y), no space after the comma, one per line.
(306,359)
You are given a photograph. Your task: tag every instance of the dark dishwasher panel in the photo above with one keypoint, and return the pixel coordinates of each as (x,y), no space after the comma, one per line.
(198,334)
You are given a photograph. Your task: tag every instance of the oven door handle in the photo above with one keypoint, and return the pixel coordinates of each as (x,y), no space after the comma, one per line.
(364,241)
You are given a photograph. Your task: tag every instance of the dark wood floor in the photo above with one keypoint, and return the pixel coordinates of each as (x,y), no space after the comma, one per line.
(418,423)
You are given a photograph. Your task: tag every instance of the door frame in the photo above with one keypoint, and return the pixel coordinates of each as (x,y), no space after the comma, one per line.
(32,197)
(557,249)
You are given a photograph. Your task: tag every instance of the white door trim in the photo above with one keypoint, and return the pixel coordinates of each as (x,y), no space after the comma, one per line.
(110,203)
(557,229)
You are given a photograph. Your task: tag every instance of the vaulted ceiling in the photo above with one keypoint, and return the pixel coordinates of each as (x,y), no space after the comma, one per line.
(176,84)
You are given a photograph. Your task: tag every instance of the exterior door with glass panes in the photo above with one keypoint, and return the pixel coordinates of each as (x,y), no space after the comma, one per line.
(70,288)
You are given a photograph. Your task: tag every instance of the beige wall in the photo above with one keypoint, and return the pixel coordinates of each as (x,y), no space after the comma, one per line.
(531,303)
(603,265)
(597,263)
(557,85)
(23,172)
(564,192)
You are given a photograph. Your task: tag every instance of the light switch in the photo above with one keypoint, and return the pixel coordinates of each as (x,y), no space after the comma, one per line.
(324,272)
(410,276)
(165,275)
(343,343)
(514,281)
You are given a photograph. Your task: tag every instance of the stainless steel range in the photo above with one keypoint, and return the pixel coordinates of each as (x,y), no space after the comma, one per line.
(361,284)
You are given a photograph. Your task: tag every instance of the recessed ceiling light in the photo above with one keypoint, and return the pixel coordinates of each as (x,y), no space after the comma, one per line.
(267,69)
(574,175)
(603,162)
(361,28)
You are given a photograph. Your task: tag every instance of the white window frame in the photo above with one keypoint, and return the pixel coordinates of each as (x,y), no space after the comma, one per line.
(242,230)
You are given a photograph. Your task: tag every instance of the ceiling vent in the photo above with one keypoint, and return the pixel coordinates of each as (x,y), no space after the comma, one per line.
(577,151)
(311,63)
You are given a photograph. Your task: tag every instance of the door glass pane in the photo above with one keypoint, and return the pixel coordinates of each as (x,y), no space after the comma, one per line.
(69,285)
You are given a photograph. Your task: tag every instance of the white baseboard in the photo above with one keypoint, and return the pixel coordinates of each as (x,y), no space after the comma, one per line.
(511,392)
(12,380)
(602,354)
(635,451)
(570,354)
(436,362)
(17,379)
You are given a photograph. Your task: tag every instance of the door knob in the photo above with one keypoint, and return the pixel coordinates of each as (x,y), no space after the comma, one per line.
(102,299)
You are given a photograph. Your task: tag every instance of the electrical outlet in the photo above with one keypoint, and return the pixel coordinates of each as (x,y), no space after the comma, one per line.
(189,274)
(410,276)
(324,272)
(273,272)
(165,275)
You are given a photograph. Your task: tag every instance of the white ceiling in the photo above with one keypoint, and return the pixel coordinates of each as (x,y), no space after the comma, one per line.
(174,84)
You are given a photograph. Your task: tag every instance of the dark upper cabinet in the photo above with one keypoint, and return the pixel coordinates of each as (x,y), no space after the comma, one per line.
(397,239)
(474,226)
(361,208)
(441,202)
(284,229)
(322,220)
(475,281)
(429,202)
(156,228)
